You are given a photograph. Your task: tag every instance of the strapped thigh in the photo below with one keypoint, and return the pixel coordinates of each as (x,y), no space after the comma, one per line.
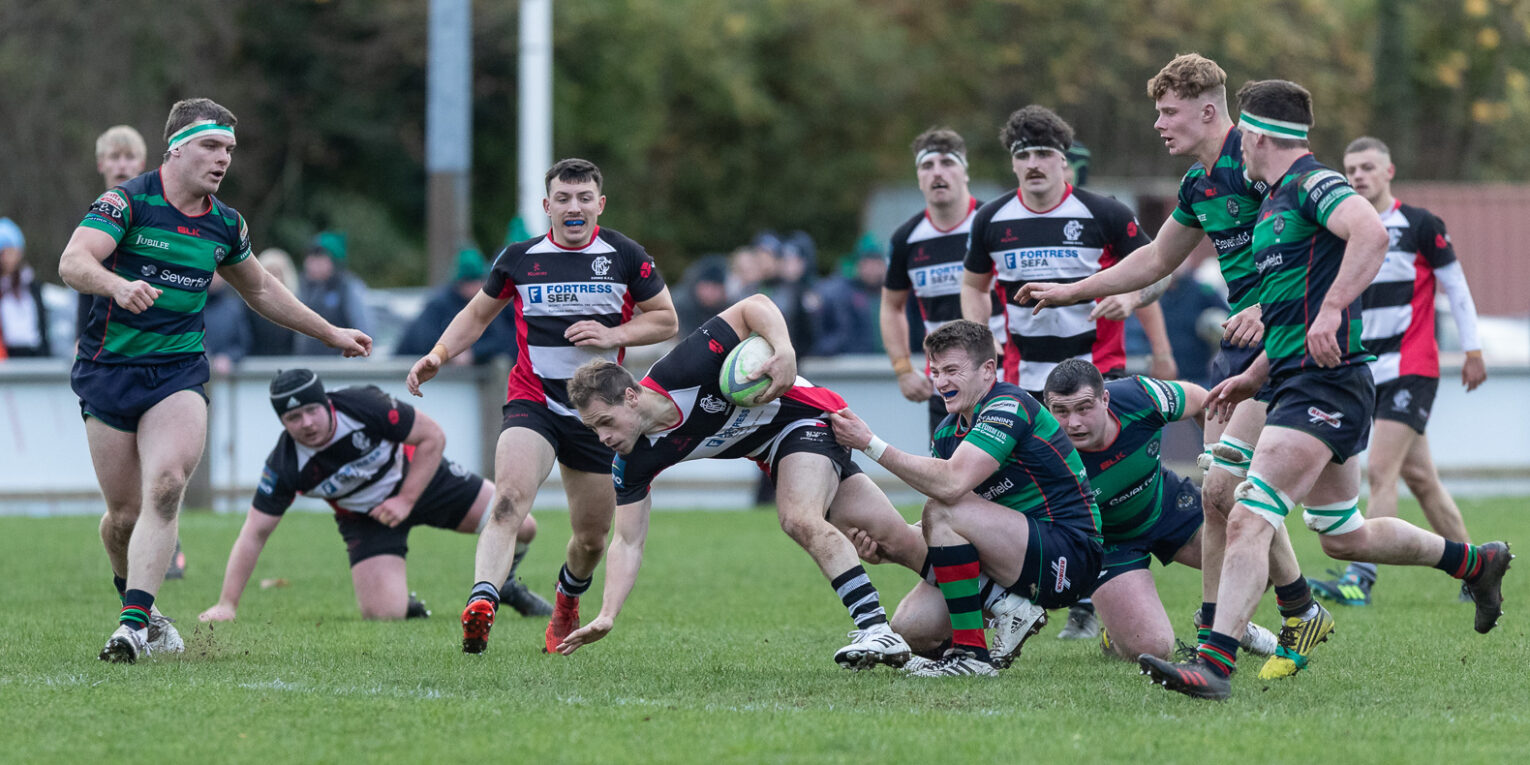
(1264,499)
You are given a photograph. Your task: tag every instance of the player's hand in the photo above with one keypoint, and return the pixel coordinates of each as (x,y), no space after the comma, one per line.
(136,296)
(915,387)
(598,628)
(1322,339)
(1473,372)
(1163,367)
(350,342)
(1244,328)
(865,546)
(592,334)
(392,511)
(782,370)
(222,612)
(1046,295)
(849,430)
(422,372)
(1115,307)
(1225,397)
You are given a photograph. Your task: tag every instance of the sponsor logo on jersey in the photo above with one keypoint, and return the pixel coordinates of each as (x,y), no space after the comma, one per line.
(1270,261)
(536,270)
(645,270)
(566,293)
(188,231)
(715,347)
(1228,244)
(998,489)
(989,431)
(360,441)
(111,205)
(1009,236)
(1317,416)
(1394,235)
(712,404)
(1071,230)
(149,269)
(147,242)
(600,265)
(618,470)
(267,482)
(1060,581)
(1005,405)
(181,280)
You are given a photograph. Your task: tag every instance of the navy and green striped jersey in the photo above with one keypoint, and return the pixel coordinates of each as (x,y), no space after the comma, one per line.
(1298,258)
(1222,201)
(1039,472)
(1127,474)
(169,249)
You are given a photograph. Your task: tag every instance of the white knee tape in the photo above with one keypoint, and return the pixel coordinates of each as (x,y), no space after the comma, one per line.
(1205,460)
(1337,518)
(1264,500)
(1232,455)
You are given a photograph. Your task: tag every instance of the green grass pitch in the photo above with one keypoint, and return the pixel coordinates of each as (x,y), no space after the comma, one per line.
(724,654)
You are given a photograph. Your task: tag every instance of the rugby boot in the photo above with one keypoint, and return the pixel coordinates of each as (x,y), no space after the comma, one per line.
(477,620)
(1082,624)
(162,636)
(872,646)
(957,662)
(177,568)
(125,645)
(1487,591)
(1015,620)
(416,608)
(1346,589)
(1298,638)
(565,619)
(518,596)
(1192,678)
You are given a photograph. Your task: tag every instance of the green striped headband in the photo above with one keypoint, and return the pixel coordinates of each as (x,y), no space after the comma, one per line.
(196,130)
(1273,127)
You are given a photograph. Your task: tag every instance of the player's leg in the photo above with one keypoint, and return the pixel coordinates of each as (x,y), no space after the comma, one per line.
(114,453)
(382,587)
(1133,615)
(1390,442)
(1423,479)
(513,592)
(860,504)
(591,505)
(921,618)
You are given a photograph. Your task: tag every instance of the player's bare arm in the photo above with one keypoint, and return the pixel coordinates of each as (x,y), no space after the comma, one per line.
(893,318)
(80,267)
(429,441)
(1356,222)
(656,322)
(270,298)
(466,327)
(241,563)
(1143,268)
(944,480)
(976,305)
(756,314)
(623,559)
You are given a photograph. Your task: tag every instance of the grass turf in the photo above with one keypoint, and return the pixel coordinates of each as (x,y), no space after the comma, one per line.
(723,654)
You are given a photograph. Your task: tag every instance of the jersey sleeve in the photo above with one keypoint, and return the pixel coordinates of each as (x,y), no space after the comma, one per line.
(1321,193)
(644,282)
(979,260)
(1123,232)
(500,285)
(1168,398)
(999,427)
(698,358)
(631,478)
(242,247)
(275,492)
(1434,242)
(111,213)
(390,418)
(1183,213)
(897,264)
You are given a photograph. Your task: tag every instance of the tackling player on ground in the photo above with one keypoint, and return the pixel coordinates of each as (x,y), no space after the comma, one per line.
(150,246)
(574,292)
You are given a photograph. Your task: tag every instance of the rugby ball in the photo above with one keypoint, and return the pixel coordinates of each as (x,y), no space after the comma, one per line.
(744,360)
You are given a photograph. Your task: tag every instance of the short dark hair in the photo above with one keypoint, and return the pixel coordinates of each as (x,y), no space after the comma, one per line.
(1035,124)
(1279,100)
(1367,143)
(191,110)
(941,139)
(573,170)
(970,336)
(1071,376)
(1189,75)
(599,379)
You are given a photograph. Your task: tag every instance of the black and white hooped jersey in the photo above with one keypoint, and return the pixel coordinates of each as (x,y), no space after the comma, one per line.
(927,260)
(710,425)
(362,465)
(1079,236)
(552,288)
(1398,306)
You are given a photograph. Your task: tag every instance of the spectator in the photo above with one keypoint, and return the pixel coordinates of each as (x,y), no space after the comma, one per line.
(703,293)
(848,319)
(792,289)
(749,268)
(120,157)
(421,334)
(226,327)
(267,338)
(23,318)
(331,291)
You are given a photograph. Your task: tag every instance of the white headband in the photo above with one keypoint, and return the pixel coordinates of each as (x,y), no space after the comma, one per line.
(196,130)
(927,153)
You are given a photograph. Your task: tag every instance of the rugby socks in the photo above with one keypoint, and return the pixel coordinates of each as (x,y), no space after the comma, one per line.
(860,597)
(136,605)
(1365,572)
(485,591)
(1461,560)
(515,563)
(1295,599)
(1219,653)
(1085,604)
(570,585)
(956,569)
(121,585)
(1208,617)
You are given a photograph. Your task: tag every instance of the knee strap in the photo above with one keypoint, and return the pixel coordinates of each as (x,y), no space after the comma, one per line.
(1337,518)
(1264,499)
(1232,455)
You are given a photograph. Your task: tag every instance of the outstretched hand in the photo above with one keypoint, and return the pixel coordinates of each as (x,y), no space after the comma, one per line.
(598,628)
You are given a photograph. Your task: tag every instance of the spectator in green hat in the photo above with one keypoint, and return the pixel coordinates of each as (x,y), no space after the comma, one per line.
(331,290)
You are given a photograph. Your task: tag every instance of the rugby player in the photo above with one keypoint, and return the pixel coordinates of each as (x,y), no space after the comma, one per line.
(140,366)
(1219,201)
(379,464)
(1317,245)
(1399,329)
(574,292)
(678,412)
(925,256)
(1008,497)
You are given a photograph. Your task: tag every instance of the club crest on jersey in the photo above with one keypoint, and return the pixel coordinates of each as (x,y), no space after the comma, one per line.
(1152,449)
(1232,207)
(456,469)
(360,441)
(219,253)
(712,404)
(1060,581)
(1279,225)
(1072,229)
(600,265)
(1317,416)
(1394,235)
(1186,500)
